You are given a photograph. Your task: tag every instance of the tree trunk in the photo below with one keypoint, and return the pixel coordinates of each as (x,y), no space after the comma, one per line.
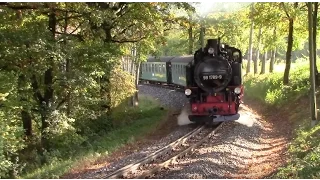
(272,60)
(315,20)
(288,53)
(25,116)
(258,51)
(263,63)
(68,64)
(190,35)
(133,73)
(46,102)
(289,49)
(250,43)
(136,94)
(133,57)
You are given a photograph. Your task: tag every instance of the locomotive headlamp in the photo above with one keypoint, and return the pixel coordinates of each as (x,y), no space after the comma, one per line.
(236,54)
(210,50)
(187,92)
(237,90)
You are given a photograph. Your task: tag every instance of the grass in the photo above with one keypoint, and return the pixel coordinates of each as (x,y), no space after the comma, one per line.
(143,120)
(270,90)
(304,150)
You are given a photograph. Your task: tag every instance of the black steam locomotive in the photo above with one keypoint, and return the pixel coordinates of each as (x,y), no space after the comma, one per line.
(212,80)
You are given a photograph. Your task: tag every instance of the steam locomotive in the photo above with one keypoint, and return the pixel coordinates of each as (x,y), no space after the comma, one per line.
(211,79)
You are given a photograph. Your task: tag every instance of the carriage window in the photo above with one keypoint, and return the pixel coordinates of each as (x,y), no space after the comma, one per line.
(157,68)
(149,67)
(182,69)
(160,68)
(152,68)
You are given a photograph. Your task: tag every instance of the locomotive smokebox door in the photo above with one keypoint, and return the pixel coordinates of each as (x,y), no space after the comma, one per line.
(213,74)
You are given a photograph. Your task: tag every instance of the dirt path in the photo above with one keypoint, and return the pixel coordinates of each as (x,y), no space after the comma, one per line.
(271,151)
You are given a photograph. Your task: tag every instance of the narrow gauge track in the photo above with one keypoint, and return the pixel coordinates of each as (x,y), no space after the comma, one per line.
(165,156)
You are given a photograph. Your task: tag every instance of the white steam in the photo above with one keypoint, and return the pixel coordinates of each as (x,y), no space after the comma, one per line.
(245,120)
(183,117)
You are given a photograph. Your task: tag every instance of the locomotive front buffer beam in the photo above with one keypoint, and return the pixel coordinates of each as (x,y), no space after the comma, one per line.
(213,118)
(218,118)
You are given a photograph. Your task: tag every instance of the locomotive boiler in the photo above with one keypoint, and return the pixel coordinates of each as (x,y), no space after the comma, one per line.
(214,83)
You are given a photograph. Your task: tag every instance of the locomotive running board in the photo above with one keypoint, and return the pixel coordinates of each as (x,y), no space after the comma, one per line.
(226,118)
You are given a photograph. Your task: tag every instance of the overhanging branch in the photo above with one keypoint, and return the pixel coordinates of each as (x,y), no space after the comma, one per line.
(285,9)
(129,40)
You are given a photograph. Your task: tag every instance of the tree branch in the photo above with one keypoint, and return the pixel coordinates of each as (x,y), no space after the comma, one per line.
(128,41)
(70,17)
(285,10)
(36,92)
(37,6)
(78,36)
(62,102)
(77,27)
(17,7)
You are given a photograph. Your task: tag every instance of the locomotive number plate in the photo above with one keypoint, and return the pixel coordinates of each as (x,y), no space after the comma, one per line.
(210,77)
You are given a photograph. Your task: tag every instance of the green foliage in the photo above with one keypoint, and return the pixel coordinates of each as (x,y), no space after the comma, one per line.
(269,88)
(122,86)
(60,77)
(305,154)
(11,143)
(103,141)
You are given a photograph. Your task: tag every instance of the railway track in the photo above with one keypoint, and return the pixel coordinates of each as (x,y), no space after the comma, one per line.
(165,156)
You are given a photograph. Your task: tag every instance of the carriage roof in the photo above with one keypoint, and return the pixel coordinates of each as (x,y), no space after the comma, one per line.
(181,59)
(188,58)
(160,59)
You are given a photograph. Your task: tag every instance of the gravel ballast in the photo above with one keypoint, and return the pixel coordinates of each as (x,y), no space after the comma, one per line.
(224,154)
(167,97)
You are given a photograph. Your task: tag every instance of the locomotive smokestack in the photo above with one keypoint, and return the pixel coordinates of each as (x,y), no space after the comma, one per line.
(213,43)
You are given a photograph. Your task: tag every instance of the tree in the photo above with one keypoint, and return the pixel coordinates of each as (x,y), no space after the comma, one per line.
(290,18)
(313,101)
(250,42)
(258,51)
(314,28)
(274,51)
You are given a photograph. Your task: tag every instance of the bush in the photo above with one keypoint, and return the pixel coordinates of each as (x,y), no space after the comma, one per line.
(102,141)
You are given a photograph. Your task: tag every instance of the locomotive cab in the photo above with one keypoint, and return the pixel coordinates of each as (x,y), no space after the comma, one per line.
(214,85)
